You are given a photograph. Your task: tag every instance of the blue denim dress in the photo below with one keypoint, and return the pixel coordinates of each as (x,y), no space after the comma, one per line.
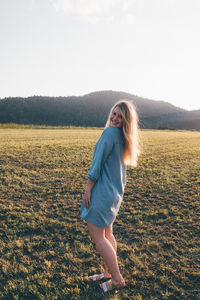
(109,174)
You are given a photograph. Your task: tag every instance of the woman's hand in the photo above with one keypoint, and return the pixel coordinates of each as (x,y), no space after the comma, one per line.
(87,194)
(86,198)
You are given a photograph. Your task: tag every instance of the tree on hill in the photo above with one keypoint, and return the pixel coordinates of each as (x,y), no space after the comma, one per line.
(92,110)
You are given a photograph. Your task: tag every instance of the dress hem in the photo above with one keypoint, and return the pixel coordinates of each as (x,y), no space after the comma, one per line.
(95,223)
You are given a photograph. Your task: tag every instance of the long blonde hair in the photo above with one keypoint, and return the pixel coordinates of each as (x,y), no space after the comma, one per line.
(130,131)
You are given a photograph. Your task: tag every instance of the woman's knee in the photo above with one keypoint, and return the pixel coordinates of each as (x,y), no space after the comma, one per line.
(98,240)
(94,237)
(109,232)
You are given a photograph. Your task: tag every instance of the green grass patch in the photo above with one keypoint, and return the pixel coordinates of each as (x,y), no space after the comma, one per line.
(46,252)
(31,126)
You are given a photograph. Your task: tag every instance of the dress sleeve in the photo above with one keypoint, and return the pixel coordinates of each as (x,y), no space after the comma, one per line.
(102,150)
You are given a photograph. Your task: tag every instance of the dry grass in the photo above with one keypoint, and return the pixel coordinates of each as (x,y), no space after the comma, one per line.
(45,249)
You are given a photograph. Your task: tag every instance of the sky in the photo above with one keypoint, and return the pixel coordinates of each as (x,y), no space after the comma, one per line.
(149,48)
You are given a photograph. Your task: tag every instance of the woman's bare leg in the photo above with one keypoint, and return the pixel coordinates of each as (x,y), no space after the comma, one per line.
(106,250)
(109,236)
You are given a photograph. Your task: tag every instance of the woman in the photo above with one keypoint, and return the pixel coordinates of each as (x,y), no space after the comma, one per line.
(117,147)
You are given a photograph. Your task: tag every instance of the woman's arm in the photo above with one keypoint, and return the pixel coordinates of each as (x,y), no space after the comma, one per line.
(103,149)
(87,194)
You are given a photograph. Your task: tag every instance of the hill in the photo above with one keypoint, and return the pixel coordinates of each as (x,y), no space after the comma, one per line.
(92,110)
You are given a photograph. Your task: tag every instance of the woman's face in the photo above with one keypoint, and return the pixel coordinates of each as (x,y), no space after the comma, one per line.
(116,118)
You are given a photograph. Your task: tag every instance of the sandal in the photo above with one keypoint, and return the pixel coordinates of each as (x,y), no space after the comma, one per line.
(96,277)
(109,285)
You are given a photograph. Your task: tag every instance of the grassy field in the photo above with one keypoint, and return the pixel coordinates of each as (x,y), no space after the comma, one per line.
(45,249)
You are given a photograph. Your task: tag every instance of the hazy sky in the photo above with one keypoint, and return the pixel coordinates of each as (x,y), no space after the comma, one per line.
(150,48)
